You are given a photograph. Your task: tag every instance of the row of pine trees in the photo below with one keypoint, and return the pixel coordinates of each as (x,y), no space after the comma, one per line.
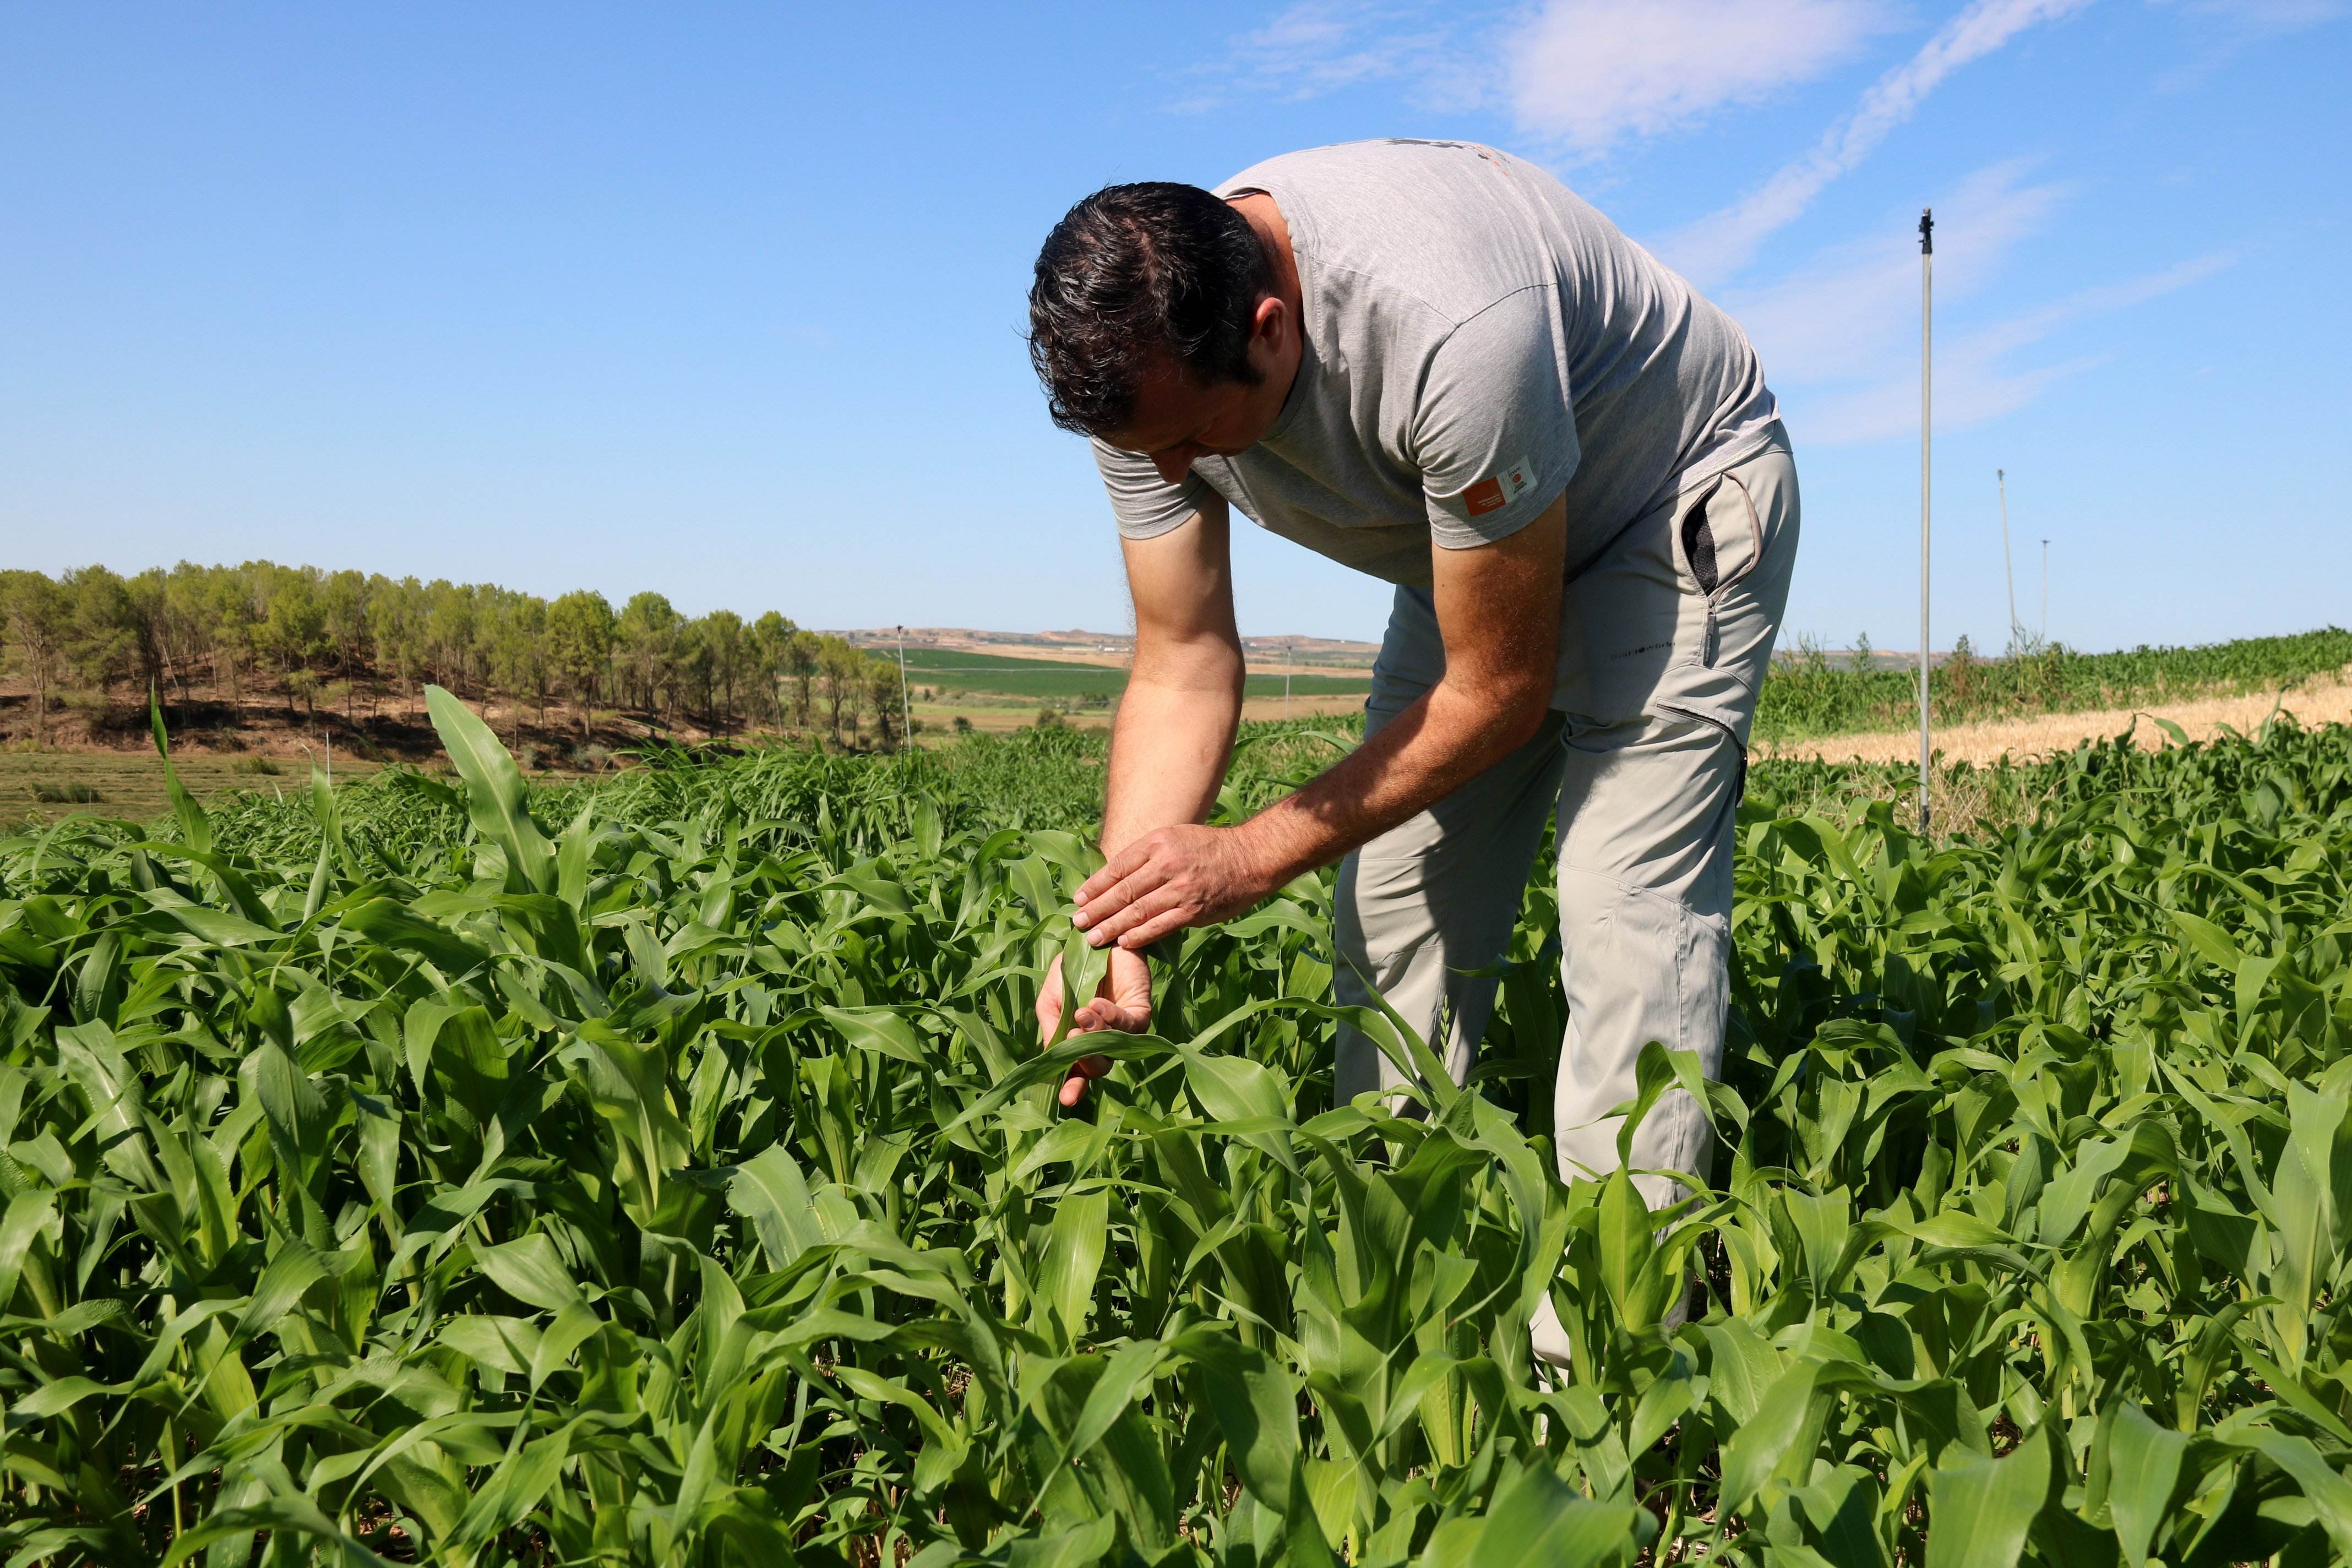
(353,641)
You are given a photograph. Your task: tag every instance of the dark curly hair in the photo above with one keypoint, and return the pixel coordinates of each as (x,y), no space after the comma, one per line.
(1134,271)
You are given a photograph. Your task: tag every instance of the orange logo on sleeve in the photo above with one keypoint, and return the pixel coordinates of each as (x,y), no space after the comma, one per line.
(1493,494)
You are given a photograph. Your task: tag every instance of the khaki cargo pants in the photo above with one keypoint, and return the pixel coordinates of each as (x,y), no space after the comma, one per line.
(1665,636)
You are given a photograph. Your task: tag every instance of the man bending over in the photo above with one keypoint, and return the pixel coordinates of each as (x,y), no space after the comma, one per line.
(1431,362)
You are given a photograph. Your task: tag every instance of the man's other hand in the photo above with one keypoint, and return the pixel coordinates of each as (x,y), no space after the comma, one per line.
(1123,1002)
(1168,880)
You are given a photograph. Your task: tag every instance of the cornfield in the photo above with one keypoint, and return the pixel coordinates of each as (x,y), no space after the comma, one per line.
(1807,696)
(668,1173)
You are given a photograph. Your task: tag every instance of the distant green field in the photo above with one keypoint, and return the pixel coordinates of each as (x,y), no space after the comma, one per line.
(995,675)
(41,786)
(1807,695)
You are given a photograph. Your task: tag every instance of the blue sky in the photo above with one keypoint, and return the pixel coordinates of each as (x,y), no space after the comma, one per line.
(725,300)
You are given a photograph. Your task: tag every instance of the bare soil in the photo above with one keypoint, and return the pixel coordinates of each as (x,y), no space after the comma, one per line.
(99,757)
(393,729)
(2201,719)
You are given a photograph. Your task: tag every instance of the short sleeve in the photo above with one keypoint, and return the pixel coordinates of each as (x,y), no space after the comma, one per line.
(1493,432)
(1145,505)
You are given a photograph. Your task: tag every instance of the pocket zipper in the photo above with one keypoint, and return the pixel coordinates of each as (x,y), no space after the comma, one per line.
(1707,645)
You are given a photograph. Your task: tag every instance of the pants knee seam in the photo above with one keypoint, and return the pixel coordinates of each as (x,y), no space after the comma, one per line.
(1676,900)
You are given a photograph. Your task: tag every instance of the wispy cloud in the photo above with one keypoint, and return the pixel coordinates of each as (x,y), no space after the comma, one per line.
(1839,329)
(1835,316)
(1322,45)
(2268,17)
(1840,337)
(2229,27)
(1588,74)
(1581,77)
(1719,244)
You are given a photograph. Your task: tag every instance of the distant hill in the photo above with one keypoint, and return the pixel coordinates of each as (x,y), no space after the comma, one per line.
(1115,648)
(952,669)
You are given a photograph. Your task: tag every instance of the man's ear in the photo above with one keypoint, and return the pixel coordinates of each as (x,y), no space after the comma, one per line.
(1270,320)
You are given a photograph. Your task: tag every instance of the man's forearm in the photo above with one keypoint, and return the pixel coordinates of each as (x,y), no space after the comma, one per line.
(1498,610)
(1169,749)
(1420,756)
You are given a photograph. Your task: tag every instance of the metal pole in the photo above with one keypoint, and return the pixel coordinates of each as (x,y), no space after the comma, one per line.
(1926,430)
(2008,568)
(906,717)
(1289,653)
(2045,591)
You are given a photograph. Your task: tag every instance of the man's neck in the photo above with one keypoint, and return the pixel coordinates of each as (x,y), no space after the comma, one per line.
(1265,220)
(1272,232)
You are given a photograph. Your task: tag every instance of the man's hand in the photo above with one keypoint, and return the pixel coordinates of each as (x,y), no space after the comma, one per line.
(1123,1001)
(1169,743)
(1171,878)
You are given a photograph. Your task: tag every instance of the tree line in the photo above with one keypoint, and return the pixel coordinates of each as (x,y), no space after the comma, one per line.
(349,640)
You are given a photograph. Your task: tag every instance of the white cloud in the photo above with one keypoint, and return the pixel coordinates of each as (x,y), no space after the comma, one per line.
(1834,317)
(1321,46)
(1581,75)
(1719,244)
(2232,27)
(1586,74)
(1840,338)
(2269,17)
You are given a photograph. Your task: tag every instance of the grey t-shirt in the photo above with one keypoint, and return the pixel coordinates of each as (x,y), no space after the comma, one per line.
(1477,341)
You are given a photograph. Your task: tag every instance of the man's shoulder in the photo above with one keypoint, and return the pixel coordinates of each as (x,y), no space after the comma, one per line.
(1448,225)
(1379,159)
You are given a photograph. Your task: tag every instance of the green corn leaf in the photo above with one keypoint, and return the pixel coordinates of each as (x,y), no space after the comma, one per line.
(195,828)
(575,1324)
(515,1488)
(59,1396)
(494,793)
(507,1345)
(1083,968)
(877,1029)
(294,1516)
(769,1191)
(1979,1508)
(2329,1493)
(1626,1248)
(27,1215)
(1755,1451)
(531,1272)
(294,1270)
(1072,1261)
(2143,1466)
(383,921)
(1541,1518)
(2214,944)
(1255,1403)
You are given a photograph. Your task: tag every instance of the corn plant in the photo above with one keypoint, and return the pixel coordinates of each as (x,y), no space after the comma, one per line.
(671,1172)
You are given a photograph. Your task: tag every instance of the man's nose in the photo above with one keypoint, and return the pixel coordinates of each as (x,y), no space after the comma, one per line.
(1173,465)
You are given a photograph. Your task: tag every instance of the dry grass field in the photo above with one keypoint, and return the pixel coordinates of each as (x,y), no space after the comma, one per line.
(2019,740)
(40,786)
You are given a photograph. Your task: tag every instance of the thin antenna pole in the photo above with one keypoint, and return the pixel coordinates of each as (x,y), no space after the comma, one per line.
(1289,653)
(2008,568)
(906,715)
(2045,591)
(1926,437)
